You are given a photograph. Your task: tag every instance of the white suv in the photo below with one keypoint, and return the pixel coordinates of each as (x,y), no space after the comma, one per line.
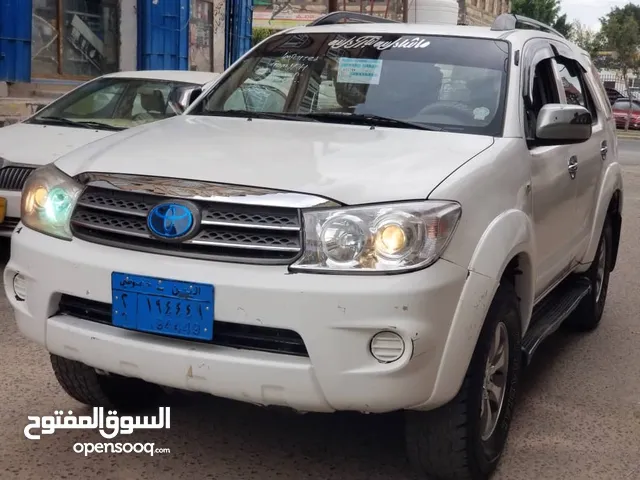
(372,217)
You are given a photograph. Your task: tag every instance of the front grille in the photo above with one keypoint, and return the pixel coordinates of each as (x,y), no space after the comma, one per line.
(231,232)
(9,223)
(233,335)
(13,178)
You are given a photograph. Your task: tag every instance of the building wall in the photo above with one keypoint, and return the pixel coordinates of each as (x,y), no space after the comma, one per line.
(481,12)
(108,33)
(206,35)
(49,80)
(128,53)
(219,37)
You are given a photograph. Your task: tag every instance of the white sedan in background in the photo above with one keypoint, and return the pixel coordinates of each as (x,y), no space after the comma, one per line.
(94,110)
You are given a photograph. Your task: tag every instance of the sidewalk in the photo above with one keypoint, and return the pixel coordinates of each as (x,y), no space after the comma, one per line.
(629,135)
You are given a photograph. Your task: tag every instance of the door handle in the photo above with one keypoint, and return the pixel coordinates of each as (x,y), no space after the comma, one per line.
(604,149)
(573,166)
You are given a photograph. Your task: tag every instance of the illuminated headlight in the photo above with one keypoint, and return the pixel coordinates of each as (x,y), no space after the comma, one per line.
(380,238)
(48,199)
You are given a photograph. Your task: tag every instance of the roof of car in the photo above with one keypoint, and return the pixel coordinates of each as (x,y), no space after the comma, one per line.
(420,29)
(171,75)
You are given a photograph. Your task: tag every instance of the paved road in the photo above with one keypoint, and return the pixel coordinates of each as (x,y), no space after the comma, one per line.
(578,415)
(629,151)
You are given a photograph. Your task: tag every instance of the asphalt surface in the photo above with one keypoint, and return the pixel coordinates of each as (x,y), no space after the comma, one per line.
(578,416)
(629,152)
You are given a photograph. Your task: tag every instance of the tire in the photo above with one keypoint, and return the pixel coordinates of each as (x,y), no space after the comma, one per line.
(447,443)
(86,385)
(586,317)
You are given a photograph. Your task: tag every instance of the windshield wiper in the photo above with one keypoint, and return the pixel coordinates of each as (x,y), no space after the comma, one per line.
(100,125)
(371,120)
(80,124)
(266,115)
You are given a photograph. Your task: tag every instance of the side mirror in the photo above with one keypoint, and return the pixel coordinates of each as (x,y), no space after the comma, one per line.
(182,97)
(560,124)
(195,93)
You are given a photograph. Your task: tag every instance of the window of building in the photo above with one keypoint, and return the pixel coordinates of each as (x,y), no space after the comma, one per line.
(74,38)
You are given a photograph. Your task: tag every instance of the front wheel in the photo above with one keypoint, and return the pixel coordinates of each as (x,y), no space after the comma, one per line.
(86,385)
(464,439)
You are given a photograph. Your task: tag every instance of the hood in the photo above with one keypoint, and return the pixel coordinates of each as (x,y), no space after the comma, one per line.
(41,144)
(346,163)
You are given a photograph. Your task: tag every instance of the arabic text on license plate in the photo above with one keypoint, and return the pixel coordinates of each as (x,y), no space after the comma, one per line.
(162,306)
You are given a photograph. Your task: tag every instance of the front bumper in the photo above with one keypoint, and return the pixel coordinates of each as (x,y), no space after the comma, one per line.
(335,315)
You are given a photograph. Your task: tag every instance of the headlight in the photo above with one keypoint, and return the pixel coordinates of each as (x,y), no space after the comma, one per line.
(48,199)
(380,238)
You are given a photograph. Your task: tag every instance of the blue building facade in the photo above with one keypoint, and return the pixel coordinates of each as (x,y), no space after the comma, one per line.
(76,40)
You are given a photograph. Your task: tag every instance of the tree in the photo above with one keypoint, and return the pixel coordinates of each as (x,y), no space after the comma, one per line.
(622,33)
(563,26)
(545,11)
(587,39)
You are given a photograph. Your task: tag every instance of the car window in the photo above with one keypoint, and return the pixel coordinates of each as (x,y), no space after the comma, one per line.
(153,99)
(606,100)
(236,101)
(570,79)
(576,89)
(256,98)
(445,82)
(624,105)
(114,103)
(545,91)
(99,102)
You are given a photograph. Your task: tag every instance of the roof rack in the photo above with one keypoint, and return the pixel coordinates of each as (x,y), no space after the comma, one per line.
(348,17)
(510,21)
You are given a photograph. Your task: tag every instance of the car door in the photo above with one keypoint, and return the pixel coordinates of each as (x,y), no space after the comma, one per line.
(590,155)
(553,185)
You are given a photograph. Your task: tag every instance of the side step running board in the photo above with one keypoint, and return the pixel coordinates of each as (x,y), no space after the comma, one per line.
(554,309)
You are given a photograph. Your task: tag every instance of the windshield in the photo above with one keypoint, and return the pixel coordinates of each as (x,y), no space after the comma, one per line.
(115,103)
(449,83)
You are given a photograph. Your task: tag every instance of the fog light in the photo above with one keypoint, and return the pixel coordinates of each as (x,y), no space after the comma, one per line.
(20,286)
(387,347)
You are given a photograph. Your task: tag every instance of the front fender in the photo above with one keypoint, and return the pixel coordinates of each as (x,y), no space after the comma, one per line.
(611,182)
(508,235)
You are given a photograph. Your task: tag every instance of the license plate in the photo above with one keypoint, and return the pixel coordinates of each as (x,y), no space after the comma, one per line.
(3,208)
(159,305)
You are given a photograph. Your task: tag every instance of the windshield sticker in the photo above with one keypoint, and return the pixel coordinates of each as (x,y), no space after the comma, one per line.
(481,113)
(359,70)
(377,42)
(293,62)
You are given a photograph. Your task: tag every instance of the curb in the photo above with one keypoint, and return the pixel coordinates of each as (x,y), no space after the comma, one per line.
(628,137)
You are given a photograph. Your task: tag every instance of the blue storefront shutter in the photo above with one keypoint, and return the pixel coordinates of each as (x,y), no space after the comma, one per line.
(15,40)
(239,24)
(163,34)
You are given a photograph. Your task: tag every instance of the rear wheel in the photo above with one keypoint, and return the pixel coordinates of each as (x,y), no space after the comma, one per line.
(464,439)
(86,385)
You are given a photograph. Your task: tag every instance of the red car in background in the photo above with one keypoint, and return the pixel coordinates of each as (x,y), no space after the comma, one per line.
(621,111)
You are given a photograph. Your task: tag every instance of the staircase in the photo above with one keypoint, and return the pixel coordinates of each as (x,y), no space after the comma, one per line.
(20,100)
